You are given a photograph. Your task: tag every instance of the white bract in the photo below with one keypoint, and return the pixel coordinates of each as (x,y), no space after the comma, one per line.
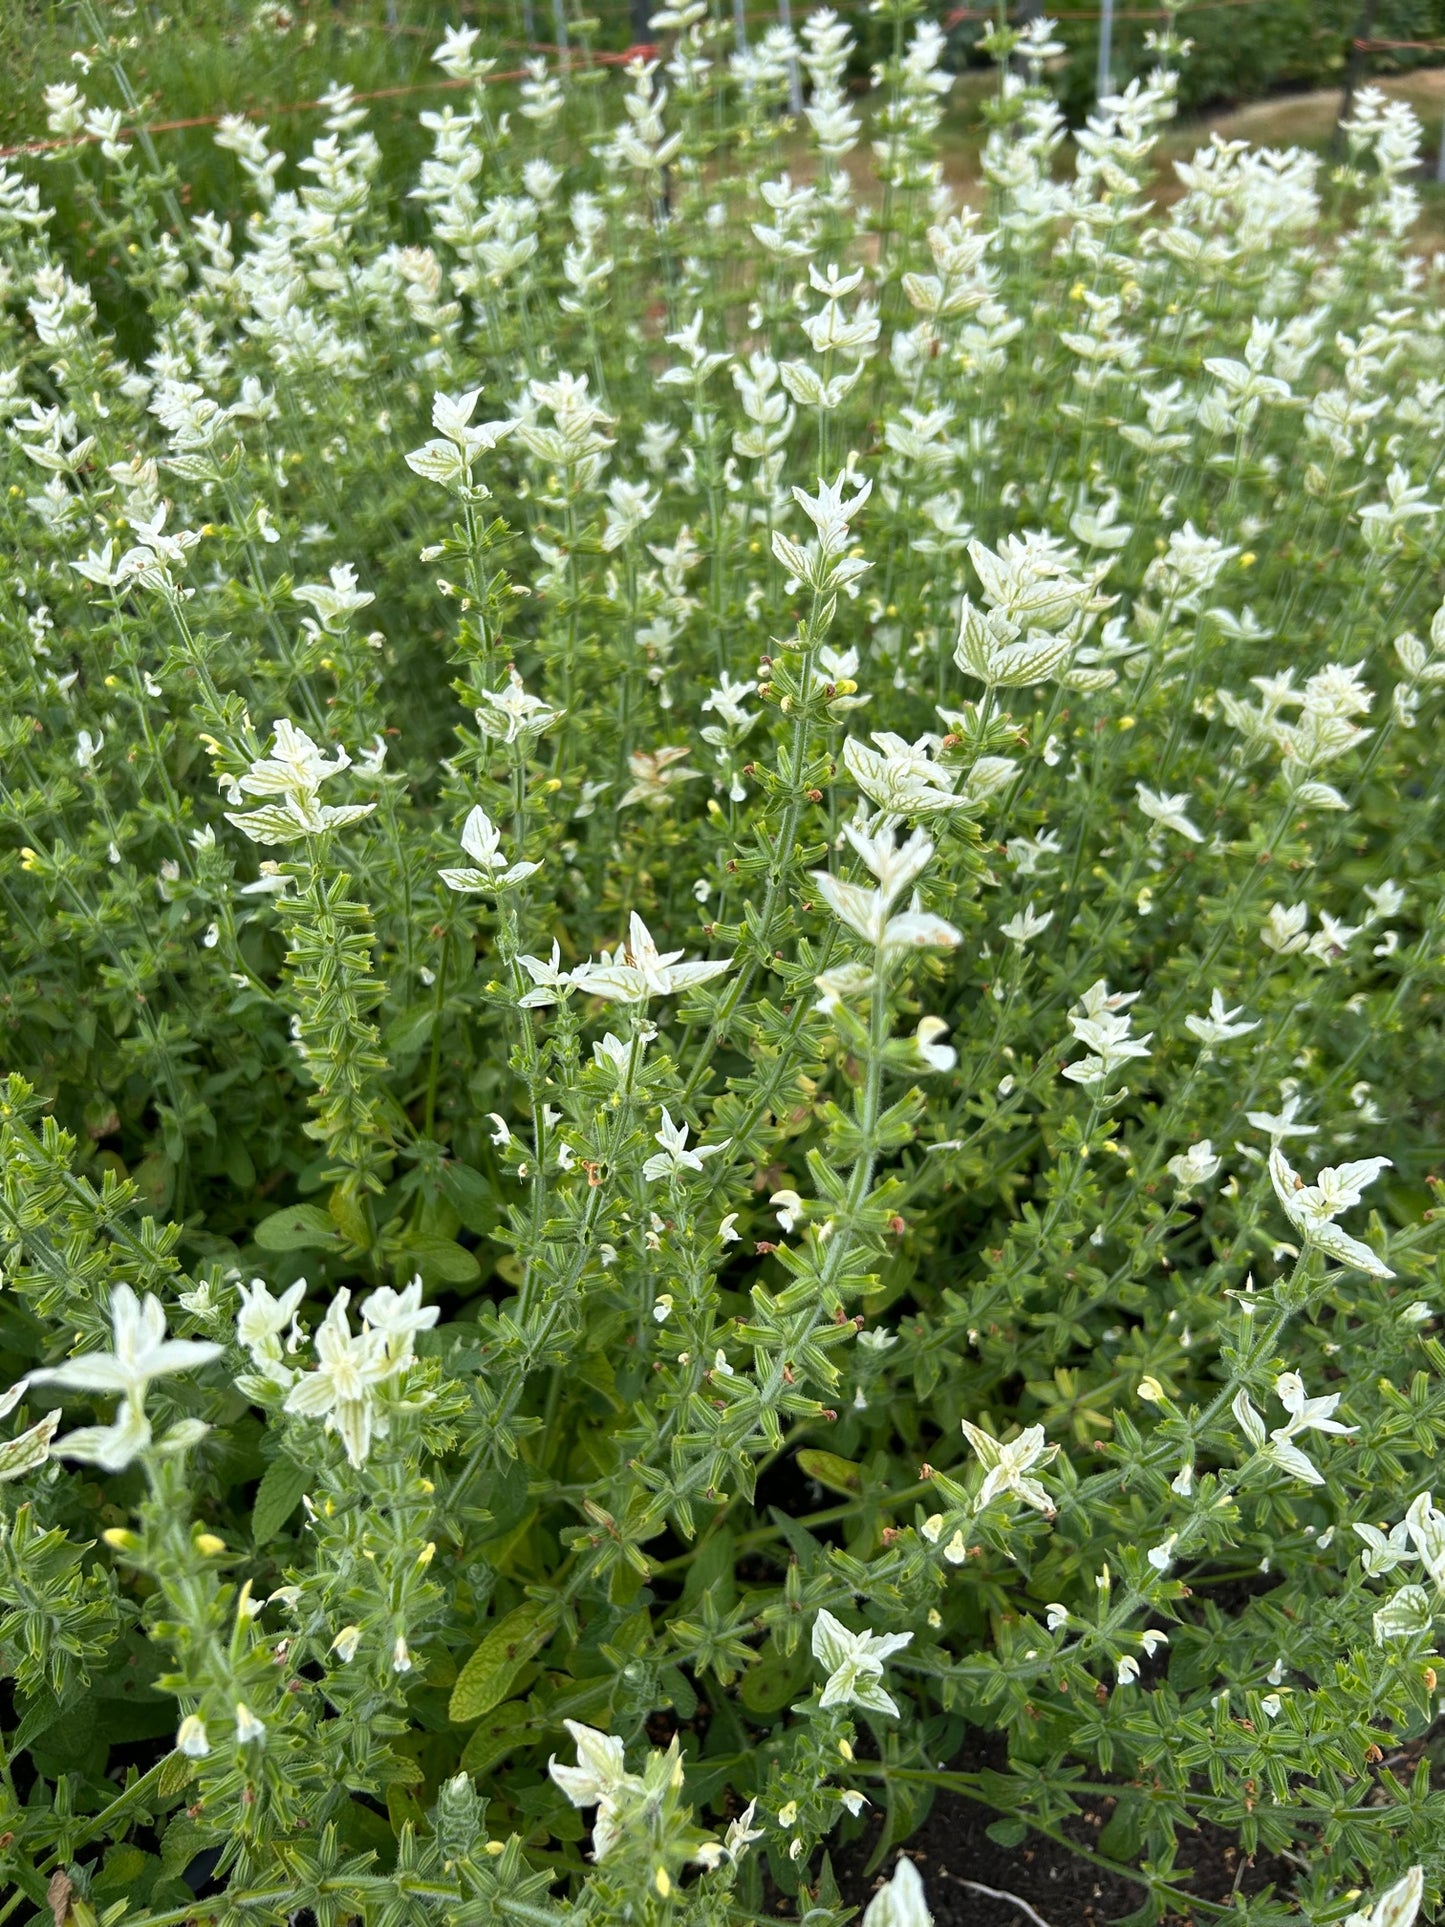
(482,841)
(141,1352)
(854,1664)
(1313,1208)
(293,773)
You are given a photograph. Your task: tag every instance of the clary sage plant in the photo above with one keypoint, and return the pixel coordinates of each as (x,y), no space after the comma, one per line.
(721,966)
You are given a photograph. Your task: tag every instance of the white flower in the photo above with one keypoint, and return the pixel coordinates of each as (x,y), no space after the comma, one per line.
(398,1316)
(1313,1208)
(899,1902)
(345,1644)
(899,777)
(260,1323)
(248,1727)
(1284,928)
(481,840)
(549,982)
(512,712)
(1280,1125)
(31,1447)
(937,1056)
(142,1352)
(599,1780)
(1398,1906)
(1220,1025)
(1056,1617)
(342,1388)
(1100,1020)
(449,460)
(656,773)
(1385,1551)
(293,773)
(333,601)
(88,748)
(1128,1670)
(735,1842)
(867,911)
(1197,1165)
(741,1833)
(1027,924)
(1007,1466)
(1306,1415)
(1168,810)
(191,1737)
(855,1664)
(1426,1528)
(790,1208)
(674,1158)
(637,970)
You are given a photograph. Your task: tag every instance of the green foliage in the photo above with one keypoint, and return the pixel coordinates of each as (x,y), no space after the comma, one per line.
(720,984)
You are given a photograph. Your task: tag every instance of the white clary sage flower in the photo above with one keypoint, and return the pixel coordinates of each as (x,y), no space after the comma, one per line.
(899,1902)
(1221,1024)
(674,1158)
(1197,1165)
(600,1779)
(28,1448)
(1313,1208)
(900,778)
(1026,925)
(351,1366)
(1168,812)
(1398,1906)
(1305,1415)
(637,970)
(142,1352)
(1100,1020)
(855,1664)
(867,912)
(293,774)
(1007,1466)
(260,1323)
(482,841)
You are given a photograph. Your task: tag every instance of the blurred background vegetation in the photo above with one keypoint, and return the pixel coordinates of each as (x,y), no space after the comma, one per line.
(1269,64)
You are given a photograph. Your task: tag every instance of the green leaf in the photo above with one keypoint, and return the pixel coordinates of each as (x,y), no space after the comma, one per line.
(776,1679)
(300,1227)
(471,1197)
(485,1679)
(498,1734)
(711,1572)
(277,1497)
(1007,1833)
(839,1475)
(439,1260)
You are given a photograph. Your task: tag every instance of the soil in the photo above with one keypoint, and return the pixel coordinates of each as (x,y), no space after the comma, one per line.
(956,1857)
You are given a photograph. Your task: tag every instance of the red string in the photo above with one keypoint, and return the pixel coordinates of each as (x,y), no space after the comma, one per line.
(305,106)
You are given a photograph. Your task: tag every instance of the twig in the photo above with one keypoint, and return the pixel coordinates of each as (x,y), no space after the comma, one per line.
(999,1893)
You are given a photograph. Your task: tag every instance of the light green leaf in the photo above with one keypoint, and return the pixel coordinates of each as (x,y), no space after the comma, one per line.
(487,1676)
